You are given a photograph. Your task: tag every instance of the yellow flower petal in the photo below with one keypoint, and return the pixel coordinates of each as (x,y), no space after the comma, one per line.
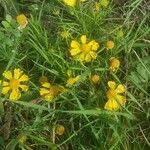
(91,43)
(112,104)
(77,78)
(82,57)
(93,54)
(43,79)
(24,87)
(44,91)
(22,26)
(75,51)
(5,90)
(112,84)
(83,39)
(72,81)
(17,73)
(97,6)
(95,46)
(120,88)
(15,95)
(71,3)
(115,105)
(88,58)
(4,83)
(23,78)
(46,85)
(121,99)
(104,3)
(49,97)
(75,45)
(108,105)
(7,75)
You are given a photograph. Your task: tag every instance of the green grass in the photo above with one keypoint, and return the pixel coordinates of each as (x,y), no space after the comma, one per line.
(40,50)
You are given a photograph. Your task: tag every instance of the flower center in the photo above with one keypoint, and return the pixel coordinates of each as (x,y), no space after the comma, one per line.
(14,83)
(54,90)
(85,48)
(111,94)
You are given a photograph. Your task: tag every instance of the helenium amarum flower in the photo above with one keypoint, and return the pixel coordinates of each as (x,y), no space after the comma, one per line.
(114,64)
(22,21)
(84,51)
(115,96)
(14,83)
(72,3)
(49,91)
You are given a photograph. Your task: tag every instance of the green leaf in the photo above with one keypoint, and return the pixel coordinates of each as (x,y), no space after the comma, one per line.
(143,69)
(142,73)
(1,109)
(12,144)
(5,24)
(8,18)
(1,143)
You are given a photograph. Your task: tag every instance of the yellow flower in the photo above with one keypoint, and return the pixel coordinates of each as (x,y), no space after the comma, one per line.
(110,45)
(84,51)
(56,11)
(22,138)
(95,79)
(71,3)
(49,92)
(69,73)
(14,84)
(114,64)
(60,129)
(72,81)
(104,3)
(22,21)
(97,6)
(115,97)
(65,34)
(120,34)
(43,79)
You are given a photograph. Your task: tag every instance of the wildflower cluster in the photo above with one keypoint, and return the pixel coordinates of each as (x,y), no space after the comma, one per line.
(85,51)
